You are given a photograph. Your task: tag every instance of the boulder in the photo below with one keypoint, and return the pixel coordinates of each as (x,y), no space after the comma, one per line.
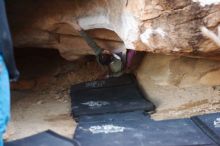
(183,27)
(180,86)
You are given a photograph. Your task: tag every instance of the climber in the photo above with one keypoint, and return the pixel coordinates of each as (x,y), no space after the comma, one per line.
(104,57)
(8,70)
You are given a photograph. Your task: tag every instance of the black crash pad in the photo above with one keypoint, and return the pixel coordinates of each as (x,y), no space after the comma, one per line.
(116,94)
(47,138)
(137,129)
(210,125)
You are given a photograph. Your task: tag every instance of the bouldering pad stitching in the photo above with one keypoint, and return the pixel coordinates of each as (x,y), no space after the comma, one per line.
(206,130)
(96,114)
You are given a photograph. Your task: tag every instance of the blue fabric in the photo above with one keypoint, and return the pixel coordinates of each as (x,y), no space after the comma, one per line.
(4,98)
(1,140)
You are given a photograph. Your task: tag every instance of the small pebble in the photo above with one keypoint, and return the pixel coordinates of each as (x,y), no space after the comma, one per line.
(40,102)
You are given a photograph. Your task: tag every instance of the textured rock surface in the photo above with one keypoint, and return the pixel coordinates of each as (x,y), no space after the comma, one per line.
(180,86)
(162,26)
(180,71)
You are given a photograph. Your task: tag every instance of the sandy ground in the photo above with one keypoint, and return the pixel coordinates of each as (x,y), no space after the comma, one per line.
(40,99)
(34,112)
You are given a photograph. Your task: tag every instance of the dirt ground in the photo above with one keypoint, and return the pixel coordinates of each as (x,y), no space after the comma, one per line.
(40,99)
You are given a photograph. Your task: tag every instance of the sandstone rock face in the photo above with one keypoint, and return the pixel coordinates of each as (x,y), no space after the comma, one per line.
(179,86)
(180,71)
(161,26)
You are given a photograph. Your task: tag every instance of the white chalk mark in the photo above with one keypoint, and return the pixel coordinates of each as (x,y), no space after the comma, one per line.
(211,35)
(207,2)
(160,31)
(128,31)
(148,33)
